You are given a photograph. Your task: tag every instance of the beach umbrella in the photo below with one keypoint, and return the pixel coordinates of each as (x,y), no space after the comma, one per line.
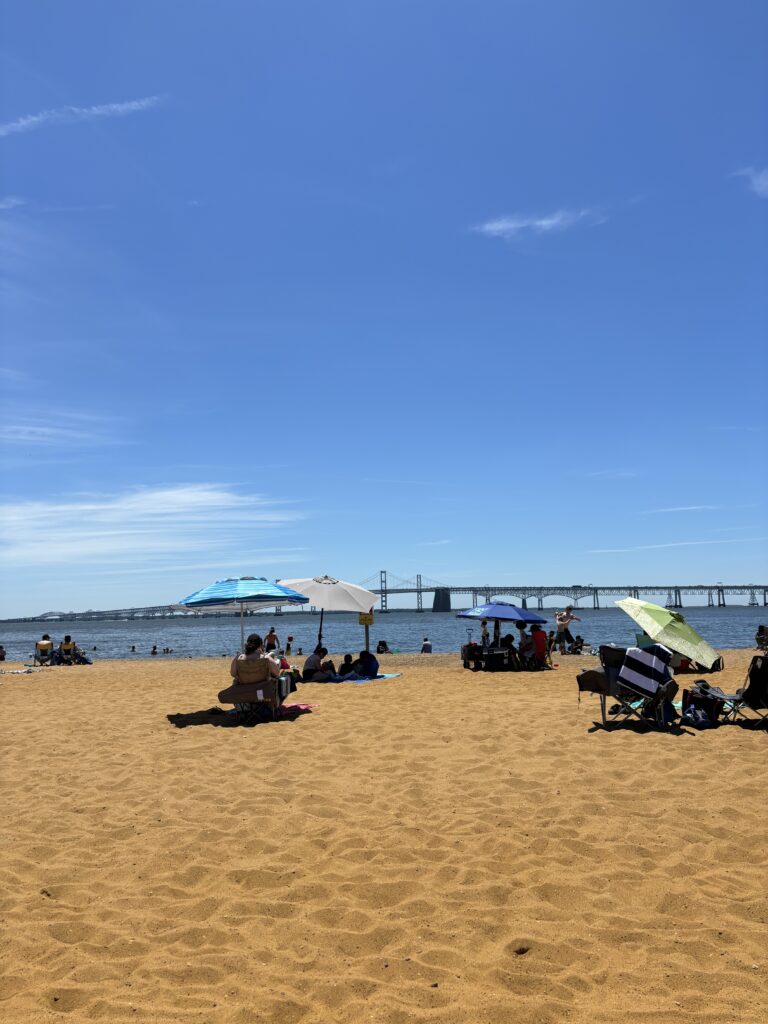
(669,628)
(500,611)
(332,595)
(245,590)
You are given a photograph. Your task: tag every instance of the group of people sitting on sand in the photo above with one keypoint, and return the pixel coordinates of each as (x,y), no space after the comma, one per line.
(319,669)
(257,664)
(528,651)
(67,653)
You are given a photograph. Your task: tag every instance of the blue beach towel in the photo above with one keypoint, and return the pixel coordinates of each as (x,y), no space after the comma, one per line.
(383,675)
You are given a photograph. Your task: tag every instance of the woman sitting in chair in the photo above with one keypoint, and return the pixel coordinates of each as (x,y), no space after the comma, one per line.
(254,666)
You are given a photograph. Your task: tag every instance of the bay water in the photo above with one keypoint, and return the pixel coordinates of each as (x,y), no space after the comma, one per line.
(403,630)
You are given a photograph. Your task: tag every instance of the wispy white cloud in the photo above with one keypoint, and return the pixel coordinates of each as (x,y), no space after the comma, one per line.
(56,429)
(11,202)
(675,544)
(160,525)
(74,115)
(757,179)
(681,508)
(694,508)
(513,225)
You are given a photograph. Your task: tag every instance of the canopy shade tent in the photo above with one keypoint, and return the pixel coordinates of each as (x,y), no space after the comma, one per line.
(669,628)
(245,590)
(332,595)
(500,611)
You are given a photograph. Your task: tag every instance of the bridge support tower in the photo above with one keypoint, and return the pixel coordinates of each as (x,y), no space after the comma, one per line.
(753,599)
(720,597)
(595,599)
(710,599)
(383,597)
(523,601)
(635,593)
(475,602)
(442,600)
(540,603)
(419,605)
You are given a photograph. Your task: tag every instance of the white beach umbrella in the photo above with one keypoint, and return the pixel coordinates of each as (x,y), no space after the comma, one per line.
(332,595)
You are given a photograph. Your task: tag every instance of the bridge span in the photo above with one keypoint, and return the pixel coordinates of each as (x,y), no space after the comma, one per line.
(387,585)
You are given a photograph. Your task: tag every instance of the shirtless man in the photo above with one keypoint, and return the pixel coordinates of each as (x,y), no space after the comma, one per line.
(563,620)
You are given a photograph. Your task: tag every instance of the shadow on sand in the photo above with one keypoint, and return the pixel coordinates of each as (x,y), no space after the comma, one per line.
(228,720)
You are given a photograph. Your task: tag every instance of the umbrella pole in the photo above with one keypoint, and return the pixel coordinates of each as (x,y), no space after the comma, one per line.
(496,633)
(320,630)
(242,630)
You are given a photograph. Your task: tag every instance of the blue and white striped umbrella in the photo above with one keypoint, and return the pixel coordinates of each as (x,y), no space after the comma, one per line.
(245,590)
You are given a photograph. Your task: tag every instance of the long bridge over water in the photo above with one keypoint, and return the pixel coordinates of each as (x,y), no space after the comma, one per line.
(715,593)
(388,585)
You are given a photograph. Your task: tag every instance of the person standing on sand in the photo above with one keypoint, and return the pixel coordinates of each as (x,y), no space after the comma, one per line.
(563,620)
(485,636)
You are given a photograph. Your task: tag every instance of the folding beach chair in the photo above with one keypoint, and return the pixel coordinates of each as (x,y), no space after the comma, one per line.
(639,681)
(43,653)
(753,695)
(251,699)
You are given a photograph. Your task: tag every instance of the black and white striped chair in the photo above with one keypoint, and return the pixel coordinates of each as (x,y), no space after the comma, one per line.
(640,682)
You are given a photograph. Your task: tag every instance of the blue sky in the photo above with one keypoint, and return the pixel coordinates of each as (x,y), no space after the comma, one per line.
(475,290)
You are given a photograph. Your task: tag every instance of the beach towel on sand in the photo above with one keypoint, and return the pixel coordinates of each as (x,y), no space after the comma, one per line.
(381,675)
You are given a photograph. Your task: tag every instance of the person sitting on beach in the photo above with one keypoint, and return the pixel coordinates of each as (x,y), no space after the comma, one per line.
(271,640)
(253,665)
(426,646)
(316,670)
(525,646)
(539,640)
(44,651)
(382,647)
(65,655)
(346,668)
(366,666)
(81,658)
(2,653)
(577,647)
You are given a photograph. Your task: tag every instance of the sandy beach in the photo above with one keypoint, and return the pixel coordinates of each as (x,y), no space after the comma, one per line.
(445,847)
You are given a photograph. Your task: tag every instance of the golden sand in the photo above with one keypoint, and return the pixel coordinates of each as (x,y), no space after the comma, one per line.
(445,847)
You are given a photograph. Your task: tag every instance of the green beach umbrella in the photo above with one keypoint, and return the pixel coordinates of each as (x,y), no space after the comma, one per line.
(670,629)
